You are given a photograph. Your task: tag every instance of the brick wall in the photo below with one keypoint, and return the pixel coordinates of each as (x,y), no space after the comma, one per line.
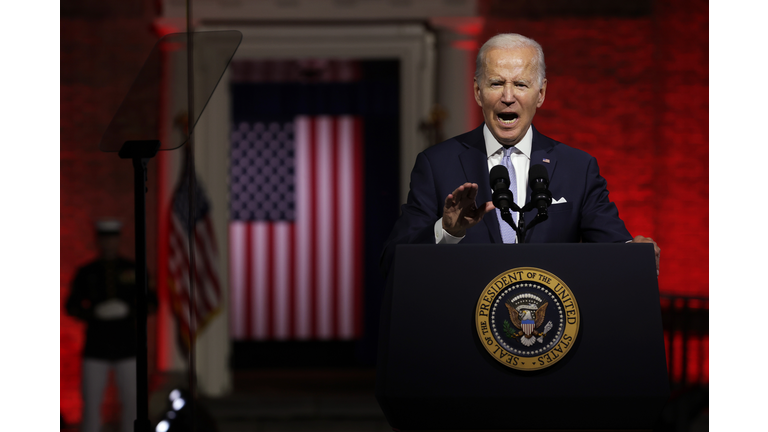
(633,92)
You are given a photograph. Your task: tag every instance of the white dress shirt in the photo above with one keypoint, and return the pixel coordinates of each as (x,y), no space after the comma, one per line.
(521,160)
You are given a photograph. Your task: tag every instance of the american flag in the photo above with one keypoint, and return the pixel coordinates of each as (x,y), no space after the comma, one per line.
(296,229)
(207,287)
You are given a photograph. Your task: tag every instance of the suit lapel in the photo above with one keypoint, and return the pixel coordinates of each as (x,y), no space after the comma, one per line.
(474,162)
(541,153)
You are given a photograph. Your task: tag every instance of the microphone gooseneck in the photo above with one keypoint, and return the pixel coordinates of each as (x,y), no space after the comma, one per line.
(504,200)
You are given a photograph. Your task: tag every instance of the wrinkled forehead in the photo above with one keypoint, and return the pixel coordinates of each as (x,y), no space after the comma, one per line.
(505,61)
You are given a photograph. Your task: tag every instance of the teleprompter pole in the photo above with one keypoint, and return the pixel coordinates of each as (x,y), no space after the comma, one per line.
(141,152)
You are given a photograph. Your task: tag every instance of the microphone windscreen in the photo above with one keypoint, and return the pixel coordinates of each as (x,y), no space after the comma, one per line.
(537,172)
(499,173)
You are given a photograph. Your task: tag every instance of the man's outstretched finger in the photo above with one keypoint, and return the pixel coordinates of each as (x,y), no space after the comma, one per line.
(464,191)
(472,191)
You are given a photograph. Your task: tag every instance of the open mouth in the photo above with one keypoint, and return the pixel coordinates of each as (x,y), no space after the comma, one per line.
(507,118)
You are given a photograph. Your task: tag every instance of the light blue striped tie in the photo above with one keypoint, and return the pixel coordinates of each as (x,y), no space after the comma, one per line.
(508,234)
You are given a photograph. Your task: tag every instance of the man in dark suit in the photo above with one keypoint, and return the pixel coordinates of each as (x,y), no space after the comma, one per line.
(450,178)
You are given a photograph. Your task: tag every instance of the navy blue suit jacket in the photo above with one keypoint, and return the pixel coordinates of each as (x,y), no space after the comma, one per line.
(586,216)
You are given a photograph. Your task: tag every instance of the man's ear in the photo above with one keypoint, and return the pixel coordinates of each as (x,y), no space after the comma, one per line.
(542,93)
(477,93)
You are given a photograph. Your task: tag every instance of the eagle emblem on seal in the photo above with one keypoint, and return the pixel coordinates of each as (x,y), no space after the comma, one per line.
(527,318)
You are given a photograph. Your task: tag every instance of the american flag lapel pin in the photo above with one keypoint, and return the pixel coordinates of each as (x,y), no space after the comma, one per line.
(545,160)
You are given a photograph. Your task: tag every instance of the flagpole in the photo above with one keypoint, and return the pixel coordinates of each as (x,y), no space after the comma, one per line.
(190,153)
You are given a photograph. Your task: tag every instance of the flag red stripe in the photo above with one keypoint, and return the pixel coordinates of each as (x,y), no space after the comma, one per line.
(282,288)
(270,277)
(248,281)
(320,194)
(236,282)
(291,282)
(178,271)
(334,225)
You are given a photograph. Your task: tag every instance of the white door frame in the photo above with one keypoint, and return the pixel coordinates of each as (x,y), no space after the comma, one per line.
(412,44)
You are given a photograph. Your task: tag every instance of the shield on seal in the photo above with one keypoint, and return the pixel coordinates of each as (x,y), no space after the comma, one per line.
(528,327)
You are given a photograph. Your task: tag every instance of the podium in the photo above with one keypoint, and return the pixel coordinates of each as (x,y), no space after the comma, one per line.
(434,372)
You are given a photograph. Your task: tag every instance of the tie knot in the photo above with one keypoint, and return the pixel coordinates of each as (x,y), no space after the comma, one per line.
(508,151)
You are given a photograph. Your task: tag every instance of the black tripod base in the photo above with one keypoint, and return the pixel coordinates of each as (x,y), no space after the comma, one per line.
(142,425)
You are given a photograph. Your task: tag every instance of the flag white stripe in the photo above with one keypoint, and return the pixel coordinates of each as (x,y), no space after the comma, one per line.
(260,305)
(303,242)
(345,157)
(237,278)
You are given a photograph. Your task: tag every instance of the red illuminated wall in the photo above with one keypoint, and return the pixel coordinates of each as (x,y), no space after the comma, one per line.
(634,93)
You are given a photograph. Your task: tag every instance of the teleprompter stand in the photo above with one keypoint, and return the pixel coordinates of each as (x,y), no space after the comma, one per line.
(433,372)
(133,135)
(140,152)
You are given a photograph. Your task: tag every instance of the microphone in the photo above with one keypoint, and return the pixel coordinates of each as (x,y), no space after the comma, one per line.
(502,197)
(538,180)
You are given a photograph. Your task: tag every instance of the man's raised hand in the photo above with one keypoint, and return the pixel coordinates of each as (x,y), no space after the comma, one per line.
(461,212)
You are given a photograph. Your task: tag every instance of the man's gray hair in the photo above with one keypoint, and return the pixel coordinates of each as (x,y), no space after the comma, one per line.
(512,40)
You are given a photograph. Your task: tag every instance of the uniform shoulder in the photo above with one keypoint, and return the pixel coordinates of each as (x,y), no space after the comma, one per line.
(89,266)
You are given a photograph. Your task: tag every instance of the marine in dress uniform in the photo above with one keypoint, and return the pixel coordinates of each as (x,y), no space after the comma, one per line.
(103,296)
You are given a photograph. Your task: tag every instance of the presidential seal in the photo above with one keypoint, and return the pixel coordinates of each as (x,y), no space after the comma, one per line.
(527,318)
